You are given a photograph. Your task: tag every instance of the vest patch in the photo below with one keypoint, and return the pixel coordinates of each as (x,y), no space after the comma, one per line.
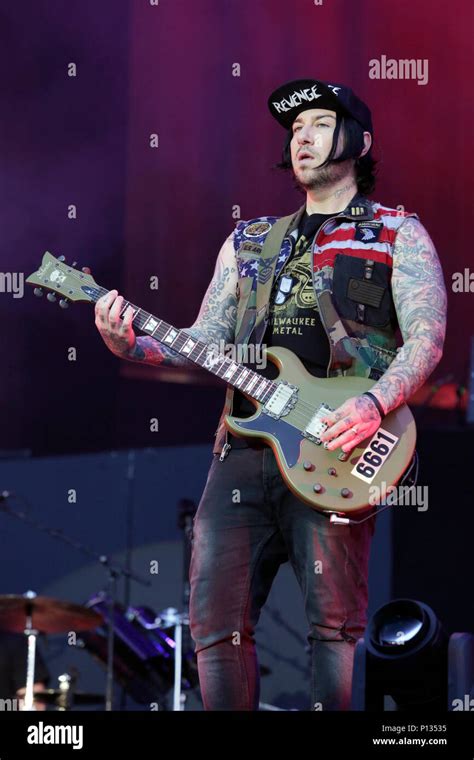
(266,268)
(368,232)
(367,293)
(250,248)
(257,228)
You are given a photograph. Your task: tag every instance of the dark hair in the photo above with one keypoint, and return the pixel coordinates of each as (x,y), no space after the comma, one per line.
(353,144)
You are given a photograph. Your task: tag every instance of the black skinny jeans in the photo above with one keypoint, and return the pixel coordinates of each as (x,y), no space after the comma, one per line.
(248,523)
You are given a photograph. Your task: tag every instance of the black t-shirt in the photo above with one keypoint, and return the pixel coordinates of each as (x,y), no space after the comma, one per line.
(294,320)
(13,656)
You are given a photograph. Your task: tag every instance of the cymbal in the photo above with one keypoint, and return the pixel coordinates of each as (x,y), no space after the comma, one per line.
(48,615)
(53,696)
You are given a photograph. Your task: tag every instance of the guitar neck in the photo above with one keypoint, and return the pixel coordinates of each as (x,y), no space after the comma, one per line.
(200,353)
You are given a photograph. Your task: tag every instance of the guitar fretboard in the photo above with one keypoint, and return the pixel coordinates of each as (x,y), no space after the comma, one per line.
(197,351)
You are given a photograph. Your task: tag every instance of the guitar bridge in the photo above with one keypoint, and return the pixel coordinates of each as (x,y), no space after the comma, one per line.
(282,400)
(316,427)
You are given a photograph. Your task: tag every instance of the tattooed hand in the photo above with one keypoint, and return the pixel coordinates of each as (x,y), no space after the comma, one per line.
(354,421)
(117,333)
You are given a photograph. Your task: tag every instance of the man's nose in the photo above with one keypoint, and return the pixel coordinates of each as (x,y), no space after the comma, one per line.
(304,136)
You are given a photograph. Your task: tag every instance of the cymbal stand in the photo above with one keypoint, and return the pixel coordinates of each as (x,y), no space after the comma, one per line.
(31,634)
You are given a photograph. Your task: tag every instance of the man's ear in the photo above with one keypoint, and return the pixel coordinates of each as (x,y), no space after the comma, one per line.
(367,144)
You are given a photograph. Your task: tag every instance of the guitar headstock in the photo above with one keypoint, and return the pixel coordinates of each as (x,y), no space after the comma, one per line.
(57,277)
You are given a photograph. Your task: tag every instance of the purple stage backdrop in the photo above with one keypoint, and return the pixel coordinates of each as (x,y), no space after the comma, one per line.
(135,134)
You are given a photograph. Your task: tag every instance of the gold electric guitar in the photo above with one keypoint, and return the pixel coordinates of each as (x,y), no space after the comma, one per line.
(289,409)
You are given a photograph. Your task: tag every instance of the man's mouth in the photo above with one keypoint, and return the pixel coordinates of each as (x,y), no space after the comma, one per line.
(304,155)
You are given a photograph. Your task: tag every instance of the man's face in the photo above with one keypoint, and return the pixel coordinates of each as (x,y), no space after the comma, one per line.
(310,146)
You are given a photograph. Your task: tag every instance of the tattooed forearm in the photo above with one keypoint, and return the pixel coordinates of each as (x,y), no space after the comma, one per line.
(218,313)
(147,350)
(419,295)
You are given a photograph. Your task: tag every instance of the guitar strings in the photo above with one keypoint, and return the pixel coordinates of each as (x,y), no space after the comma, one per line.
(301,409)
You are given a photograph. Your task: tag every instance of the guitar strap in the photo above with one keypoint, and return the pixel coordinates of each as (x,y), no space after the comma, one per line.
(268,259)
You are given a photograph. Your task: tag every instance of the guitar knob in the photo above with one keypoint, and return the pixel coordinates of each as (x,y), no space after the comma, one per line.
(346,493)
(343,456)
(308,465)
(38,292)
(332,471)
(61,258)
(63,303)
(86,270)
(51,297)
(317,488)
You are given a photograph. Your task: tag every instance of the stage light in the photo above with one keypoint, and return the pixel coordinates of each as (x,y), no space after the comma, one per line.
(407,661)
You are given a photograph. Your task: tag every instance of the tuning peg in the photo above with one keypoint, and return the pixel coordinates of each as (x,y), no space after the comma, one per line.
(51,297)
(63,303)
(86,270)
(61,258)
(38,292)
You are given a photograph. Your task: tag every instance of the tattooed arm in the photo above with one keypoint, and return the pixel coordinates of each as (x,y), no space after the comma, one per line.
(215,322)
(419,295)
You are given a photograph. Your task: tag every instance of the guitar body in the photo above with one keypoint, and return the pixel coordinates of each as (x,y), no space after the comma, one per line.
(292,449)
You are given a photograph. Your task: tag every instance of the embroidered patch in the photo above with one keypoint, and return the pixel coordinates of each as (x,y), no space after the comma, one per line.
(249,248)
(266,269)
(367,293)
(256,229)
(368,232)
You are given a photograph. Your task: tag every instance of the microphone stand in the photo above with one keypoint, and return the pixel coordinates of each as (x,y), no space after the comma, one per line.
(114,571)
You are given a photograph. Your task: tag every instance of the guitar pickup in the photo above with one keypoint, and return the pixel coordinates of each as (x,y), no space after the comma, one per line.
(281,401)
(316,426)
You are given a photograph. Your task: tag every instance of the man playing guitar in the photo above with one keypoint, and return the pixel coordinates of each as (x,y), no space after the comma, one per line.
(347,273)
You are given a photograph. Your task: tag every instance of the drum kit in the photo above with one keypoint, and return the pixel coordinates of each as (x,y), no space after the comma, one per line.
(146,654)
(148,657)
